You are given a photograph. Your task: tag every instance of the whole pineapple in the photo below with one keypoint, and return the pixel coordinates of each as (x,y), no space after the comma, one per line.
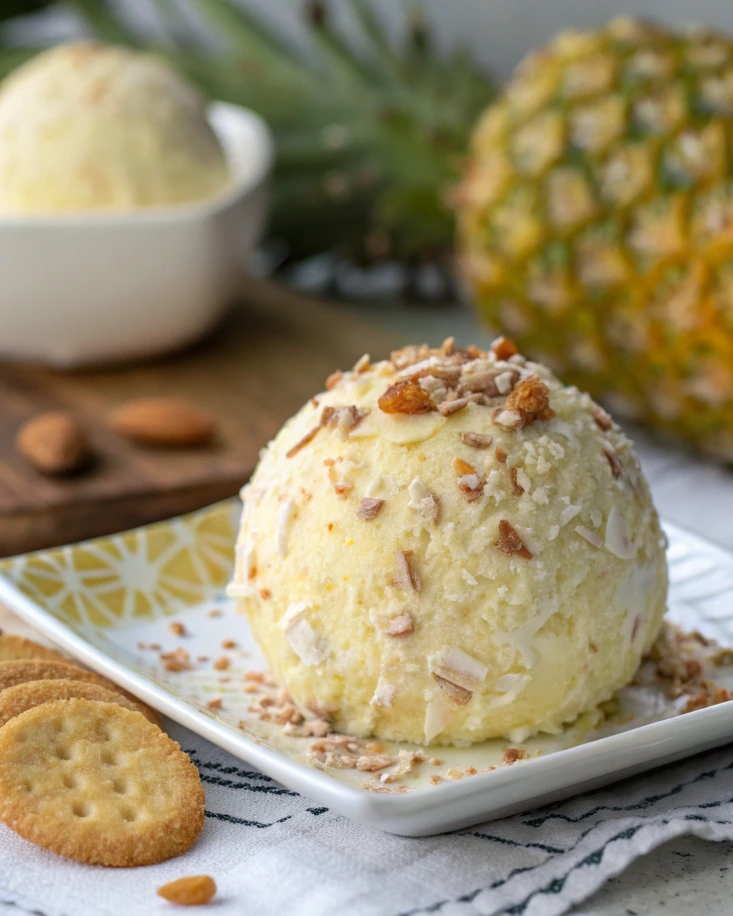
(596,221)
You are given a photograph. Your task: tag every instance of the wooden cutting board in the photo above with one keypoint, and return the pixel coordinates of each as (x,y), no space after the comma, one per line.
(268,357)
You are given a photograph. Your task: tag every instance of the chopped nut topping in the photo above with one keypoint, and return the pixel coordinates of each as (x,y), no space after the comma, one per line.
(435,779)
(448,408)
(340,485)
(215,612)
(370,763)
(179,660)
(344,418)
(501,455)
(229,644)
(221,664)
(516,489)
(475,440)
(409,356)
(333,379)
(308,437)
(265,594)
(531,400)
(470,482)
(458,695)
(362,364)
(406,577)
(447,348)
(613,461)
(406,397)
(369,508)
(510,542)
(710,695)
(177,628)
(403,625)
(214,704)
(503,348)
(513,755)
(602,419)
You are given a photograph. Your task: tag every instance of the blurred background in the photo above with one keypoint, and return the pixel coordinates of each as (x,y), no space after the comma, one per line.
(227,200)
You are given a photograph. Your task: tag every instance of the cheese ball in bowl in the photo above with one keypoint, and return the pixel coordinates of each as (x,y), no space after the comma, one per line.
(450,546)
(88,127)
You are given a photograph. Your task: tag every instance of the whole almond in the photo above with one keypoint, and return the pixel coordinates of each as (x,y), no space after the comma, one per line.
(166,422)
(191,891)
(54,443)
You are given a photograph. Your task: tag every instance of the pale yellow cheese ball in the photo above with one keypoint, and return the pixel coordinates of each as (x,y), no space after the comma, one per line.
(87,126)
(451,576)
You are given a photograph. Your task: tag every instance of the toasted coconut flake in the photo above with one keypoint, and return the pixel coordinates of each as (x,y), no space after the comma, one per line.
(333,379)
(503,348)
(310,648)
(589,535)
(438,714)
(362,364)
(530,398)
(459,696)
(447,348)
(618,539)
(369,508)
(568,514)
(510,542)
(402,625)
(475,440)
(383,693)
(283,526)
(458,667)
(406,577)
(406,396)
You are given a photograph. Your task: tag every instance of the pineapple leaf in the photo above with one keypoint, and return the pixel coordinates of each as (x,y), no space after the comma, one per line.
(243,30)
(105,24)
(336,54)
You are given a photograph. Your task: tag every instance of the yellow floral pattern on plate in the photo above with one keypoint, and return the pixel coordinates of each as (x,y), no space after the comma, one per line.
(142,574)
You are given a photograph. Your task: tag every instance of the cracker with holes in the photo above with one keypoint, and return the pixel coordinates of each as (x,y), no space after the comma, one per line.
(99,784)
(17,699)
(13,647)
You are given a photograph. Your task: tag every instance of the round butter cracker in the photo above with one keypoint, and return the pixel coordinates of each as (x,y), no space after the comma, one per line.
(99,784)
(13,647)
(16,700)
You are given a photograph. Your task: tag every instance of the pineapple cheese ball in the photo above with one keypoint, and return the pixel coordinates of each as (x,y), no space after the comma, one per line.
(450,546)
(92,127)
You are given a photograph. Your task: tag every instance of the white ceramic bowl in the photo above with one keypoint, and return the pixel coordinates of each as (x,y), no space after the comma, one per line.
(92,288)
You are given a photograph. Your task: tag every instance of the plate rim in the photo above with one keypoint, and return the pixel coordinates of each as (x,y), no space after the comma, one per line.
(422,812)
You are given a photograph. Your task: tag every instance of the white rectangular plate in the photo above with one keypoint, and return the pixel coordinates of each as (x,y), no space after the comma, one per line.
(102,599)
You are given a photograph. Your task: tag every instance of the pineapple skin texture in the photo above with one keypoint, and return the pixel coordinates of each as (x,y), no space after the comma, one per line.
(595,222)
